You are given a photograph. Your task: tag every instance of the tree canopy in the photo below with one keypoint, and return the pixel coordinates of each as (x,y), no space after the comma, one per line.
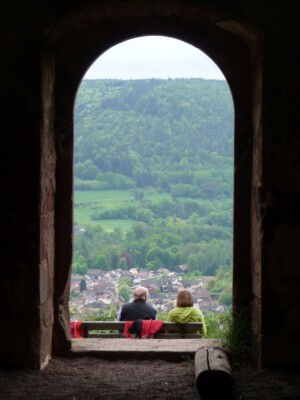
(173,136)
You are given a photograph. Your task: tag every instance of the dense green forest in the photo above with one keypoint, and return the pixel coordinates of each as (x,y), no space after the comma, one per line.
(176,135)
(172,139)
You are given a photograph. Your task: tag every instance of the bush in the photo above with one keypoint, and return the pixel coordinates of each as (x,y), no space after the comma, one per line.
(87,185)
(234,331)
(124,291)
(214,325)
(110,313)
(225,298)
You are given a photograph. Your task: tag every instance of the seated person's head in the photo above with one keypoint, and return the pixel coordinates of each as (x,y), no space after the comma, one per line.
(141,293)
(184,298)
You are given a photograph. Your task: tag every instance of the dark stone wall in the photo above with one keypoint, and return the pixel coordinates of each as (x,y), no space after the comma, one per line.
(46,47)
(278,203)
(27,211)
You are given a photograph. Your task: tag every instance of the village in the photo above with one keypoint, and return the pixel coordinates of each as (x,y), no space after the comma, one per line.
(98,290)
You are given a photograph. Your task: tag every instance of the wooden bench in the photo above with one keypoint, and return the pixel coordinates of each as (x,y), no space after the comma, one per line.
(114,329)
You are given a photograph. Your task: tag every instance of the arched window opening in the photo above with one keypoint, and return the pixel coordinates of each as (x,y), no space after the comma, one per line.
(153,180)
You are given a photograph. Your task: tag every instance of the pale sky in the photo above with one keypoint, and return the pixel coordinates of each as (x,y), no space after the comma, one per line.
(153,57)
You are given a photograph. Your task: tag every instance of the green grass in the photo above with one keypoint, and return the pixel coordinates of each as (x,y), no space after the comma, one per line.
(109,198)
(89,201)
(102,195)
(104,198)
(234,331)
(109,224)
(82,216)
(156,197)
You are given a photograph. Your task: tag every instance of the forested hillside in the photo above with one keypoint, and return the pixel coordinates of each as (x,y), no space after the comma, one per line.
(176,135)
(154,174)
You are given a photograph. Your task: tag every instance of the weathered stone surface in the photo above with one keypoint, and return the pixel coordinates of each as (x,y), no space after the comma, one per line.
(168,349)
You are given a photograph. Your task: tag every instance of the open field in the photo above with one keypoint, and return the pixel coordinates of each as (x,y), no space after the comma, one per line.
(82,217)
(89,202)
(109,198)
(86,202)
(103,198)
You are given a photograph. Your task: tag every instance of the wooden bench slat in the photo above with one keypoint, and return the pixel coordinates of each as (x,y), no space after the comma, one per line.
(118,325)
(103,325)
(106,335)
(178,328)
(177,336)
(169,330)
(156,336)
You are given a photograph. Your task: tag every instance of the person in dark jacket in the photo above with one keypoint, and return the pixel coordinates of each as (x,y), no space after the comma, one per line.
(138,308)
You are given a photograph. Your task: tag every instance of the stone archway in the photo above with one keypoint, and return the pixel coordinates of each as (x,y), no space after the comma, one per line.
(46,49)
(81,37)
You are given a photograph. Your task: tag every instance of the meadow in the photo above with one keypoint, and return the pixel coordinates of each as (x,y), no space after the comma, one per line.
(90,202)
(86,202)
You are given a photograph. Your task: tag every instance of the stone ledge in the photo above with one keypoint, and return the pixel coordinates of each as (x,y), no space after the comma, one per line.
(165,349)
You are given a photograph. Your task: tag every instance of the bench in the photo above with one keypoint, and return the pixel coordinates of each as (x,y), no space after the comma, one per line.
(114,329)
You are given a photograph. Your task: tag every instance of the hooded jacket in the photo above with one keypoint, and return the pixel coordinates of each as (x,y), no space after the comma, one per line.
(182,315)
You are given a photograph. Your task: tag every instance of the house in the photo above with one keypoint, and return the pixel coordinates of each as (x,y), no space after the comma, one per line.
(75,286)
(152,286)
(163,271)
(134,272)
(78,229)
(203,294)
(182,268)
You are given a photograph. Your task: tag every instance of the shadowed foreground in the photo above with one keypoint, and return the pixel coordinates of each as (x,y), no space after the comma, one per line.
(90,378)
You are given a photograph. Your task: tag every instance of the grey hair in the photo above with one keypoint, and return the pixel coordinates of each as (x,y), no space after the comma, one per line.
(141,292)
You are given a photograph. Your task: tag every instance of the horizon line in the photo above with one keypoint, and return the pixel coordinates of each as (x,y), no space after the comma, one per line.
(153,78)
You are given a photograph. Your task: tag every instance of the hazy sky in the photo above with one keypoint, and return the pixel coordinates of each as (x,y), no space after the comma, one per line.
(153,57)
